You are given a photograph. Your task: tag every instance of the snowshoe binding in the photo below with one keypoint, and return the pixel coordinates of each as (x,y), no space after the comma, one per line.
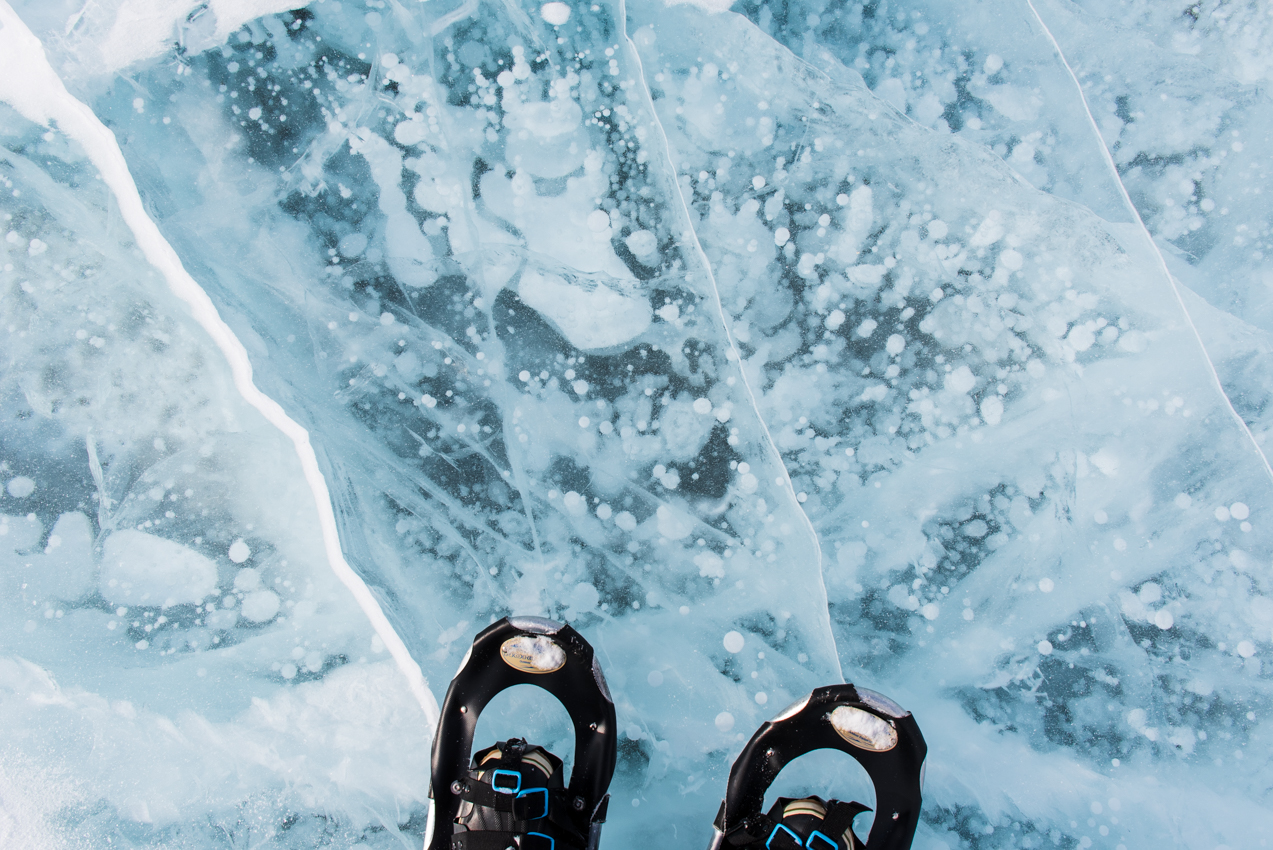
(877,732)
(513,794)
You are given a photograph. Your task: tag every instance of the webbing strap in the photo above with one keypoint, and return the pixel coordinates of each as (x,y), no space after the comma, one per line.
(531,804)
(839,821)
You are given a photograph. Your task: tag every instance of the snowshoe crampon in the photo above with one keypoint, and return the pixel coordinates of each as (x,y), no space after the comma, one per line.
(883,738)
(513,794)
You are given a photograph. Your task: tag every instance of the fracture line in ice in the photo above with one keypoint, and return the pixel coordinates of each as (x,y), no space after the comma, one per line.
(1162,262)
(734,353)
(29,84)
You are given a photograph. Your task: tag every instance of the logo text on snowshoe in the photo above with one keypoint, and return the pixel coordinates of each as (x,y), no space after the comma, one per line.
(532,654)
(863,729)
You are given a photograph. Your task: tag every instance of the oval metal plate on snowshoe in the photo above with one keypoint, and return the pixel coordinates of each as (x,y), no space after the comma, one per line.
(532,654)
(863,729)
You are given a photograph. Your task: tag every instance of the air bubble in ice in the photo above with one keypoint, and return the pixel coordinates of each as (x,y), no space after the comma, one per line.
(20,487)
(555,13)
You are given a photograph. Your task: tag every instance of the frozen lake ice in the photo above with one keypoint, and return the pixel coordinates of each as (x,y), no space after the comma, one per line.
(921,346)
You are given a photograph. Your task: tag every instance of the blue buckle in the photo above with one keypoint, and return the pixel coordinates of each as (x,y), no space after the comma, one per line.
(830,845)
(785,829)
(538,845)
(506,789)
(544,810)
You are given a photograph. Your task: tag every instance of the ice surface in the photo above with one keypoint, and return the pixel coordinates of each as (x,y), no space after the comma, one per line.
(919,345)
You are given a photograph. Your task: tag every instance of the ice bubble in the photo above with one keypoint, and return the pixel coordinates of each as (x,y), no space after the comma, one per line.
(867,328)
(781,235)
(655,678)
(389,60)
(724,721)
(669,312)
(20,487)
(1239,510)
(555,13)
(1137,718)
(992,410)
(625,521)
(1149,593)
(288,671)
(596,317)
(603,511)
(1045,647)
(834,320)
(989,231)
(931,611)
(584,598)
(352,245)
(598,221)
(1011,259)
(247,579)
(1246,649)
(710,565)
(993,63)
(758,183)
(1222,513)
(260,606)
(1046,585)
(961,380)
(976,529)
(642,244)
(138,567)
(1100,517)
(1080,337)
(895,345)
(937,229)
(239,551)
(574,504)
(733,642)
(1183,500)
(702,406)
(1164,620)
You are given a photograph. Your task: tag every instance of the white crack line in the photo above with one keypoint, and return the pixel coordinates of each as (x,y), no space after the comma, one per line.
(30,85)
(1162,262)
(729,338)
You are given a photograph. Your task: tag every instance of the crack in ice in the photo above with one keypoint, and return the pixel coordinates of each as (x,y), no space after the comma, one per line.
(30,85)
(1140,222)
(734,354)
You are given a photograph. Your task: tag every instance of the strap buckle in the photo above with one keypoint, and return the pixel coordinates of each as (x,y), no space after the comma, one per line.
(525,812)
(779,831)
(506,781)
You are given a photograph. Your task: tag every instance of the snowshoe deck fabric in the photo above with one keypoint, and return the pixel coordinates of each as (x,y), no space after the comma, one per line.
(882,736)
(513,795)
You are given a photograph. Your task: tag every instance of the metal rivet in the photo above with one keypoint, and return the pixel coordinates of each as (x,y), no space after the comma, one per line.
(456,787)
(579,803)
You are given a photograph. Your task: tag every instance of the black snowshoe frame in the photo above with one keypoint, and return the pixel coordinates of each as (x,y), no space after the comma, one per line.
(548,655)
(892,754)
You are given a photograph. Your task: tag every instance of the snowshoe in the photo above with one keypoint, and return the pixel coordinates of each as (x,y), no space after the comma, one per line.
(513,795)
(877,732)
